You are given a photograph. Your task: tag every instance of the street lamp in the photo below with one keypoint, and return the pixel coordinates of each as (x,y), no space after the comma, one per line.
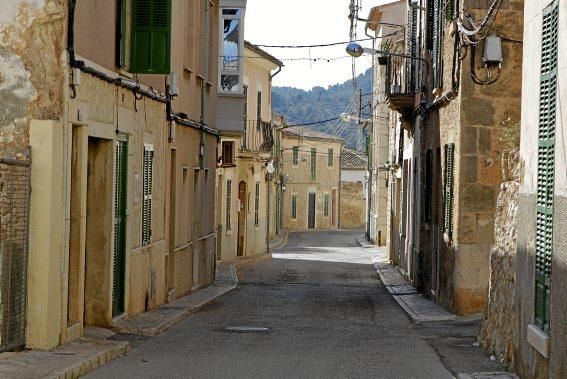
(355,50)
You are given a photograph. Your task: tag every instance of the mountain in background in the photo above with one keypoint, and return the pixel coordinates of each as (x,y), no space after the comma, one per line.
(302,107)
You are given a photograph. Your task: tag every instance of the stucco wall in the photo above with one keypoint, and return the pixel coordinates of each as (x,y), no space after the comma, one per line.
(300,183)
(528,362)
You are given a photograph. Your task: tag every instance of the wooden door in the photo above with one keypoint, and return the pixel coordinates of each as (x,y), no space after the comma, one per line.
(241,218)
(311,211)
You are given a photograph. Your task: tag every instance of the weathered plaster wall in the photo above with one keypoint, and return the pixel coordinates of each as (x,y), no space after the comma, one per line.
(31,70)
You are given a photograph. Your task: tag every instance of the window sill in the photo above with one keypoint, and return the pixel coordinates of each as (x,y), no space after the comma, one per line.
(227,165)
(257,228)
(539,340)
(237,95)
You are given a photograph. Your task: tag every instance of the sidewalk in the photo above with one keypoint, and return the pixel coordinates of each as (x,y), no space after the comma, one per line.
(279,241)
(160,319)
(418,308)
(69,361)
(94,350)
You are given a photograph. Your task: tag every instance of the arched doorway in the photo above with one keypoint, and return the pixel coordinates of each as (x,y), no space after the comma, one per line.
(241,218)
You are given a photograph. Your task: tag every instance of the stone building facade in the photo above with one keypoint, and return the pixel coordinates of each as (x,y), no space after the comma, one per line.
(310,161)
(116,136)
(446,154)
(244,189)
(354,190)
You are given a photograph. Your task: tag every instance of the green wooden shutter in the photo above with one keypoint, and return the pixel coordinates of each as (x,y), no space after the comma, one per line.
(437,42)
(257,205)
(228,204)
(313,163)
(294,207)
(330,161)
(150,47)
(326,204)
(119,251)
(546,166)
(450,10)
(147,192)
(430,22)
(448,189)
(296,155)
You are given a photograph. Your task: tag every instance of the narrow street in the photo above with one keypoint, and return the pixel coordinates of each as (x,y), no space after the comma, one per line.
(325,312)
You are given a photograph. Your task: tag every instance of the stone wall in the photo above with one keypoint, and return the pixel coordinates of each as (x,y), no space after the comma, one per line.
(499,326)
(352,206)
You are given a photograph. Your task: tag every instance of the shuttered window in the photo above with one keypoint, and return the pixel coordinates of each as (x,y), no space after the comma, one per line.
(120,224)
(326,205)
(294,207)
(228,203)
(428,186)
(437,42)
(450,10)
(331,158)
(546,165)
(148,173)
(313,163)
(448,189)
(259,111)
(411,47)
(150,48)
(296,155)
(257,205)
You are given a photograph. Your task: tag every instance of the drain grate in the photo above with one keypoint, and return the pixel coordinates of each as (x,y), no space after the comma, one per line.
(247,329)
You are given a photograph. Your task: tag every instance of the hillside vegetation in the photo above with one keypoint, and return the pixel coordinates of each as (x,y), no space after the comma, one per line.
(300,106)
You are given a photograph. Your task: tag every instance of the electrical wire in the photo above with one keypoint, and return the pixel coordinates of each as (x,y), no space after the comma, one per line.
(311,46)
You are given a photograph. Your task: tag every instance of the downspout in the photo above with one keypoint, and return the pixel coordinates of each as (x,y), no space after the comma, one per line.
(268,174)
(203,88)
(371,136)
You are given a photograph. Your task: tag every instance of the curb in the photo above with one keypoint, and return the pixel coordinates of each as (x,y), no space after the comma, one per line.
(254,259)
(403,293)
(363,242)
(79,369)
(89,353)
(282,242)
(158,320)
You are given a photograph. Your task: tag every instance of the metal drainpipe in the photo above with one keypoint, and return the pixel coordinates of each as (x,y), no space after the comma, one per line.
(203,88)
(269,175)
(371,133)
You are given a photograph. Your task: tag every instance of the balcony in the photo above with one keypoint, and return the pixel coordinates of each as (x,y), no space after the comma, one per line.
(401,83)
(258,137)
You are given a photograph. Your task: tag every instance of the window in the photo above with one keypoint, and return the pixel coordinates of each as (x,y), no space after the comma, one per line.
(294,207)
(231,50)
(437,36)
(331,159)
(228,203)
(448,191)
(259,111)
(257,205)
(150,45)
(313,163)
(450,10)
(147,192)
(245,114)
(227,153)
(546,166)
(326,205)
(296,155)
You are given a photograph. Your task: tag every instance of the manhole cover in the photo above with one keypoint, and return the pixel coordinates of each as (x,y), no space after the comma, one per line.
(247,329)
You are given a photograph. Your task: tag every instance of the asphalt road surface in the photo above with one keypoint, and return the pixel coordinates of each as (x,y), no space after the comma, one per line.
(317,310)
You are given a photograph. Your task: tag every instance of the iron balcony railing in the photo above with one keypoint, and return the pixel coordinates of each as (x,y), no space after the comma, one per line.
(258,136)
(401,76)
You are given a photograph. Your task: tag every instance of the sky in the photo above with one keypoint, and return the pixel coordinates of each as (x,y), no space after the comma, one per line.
(307,22)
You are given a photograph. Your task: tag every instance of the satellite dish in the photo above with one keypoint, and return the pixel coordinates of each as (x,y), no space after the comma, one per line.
(270,167)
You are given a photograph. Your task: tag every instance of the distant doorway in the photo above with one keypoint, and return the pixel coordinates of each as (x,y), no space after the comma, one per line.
(241,218)
(311,211)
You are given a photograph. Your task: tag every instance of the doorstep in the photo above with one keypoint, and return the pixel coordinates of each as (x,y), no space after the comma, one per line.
(158,320)
(68,361)
(417,307)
